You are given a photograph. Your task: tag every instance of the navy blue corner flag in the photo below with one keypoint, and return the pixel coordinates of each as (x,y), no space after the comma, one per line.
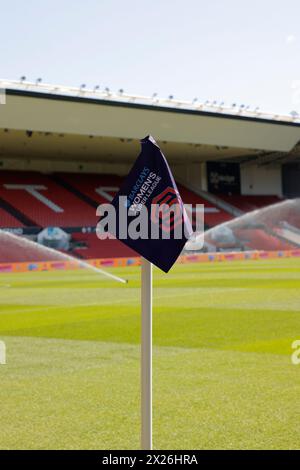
(153,207)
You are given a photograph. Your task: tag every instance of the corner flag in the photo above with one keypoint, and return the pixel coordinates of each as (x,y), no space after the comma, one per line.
(151,219)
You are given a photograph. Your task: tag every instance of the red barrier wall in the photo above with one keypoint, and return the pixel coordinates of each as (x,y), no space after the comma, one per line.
(135,261)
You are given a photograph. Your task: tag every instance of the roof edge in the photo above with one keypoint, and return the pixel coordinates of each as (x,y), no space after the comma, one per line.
(148,107)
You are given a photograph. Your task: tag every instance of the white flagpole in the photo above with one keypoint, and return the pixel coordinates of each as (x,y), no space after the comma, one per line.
(146,356)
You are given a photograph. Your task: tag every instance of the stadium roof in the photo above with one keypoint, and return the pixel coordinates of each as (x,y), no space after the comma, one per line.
(51,121)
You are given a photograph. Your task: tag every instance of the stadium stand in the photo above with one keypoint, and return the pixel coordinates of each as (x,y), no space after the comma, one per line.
(259,239)
(288,232)
(249,203)
(96,189)
(87,245)
(292,217)
(213,214)
(43,201)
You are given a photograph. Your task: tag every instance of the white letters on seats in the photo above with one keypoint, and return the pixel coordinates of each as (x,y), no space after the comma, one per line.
(104,192)
(34,189)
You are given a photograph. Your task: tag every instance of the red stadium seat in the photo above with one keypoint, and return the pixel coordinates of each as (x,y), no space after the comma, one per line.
(92,247)
(259,239)
(98,188)
(213,214)
(8,221)
(43,201)
(249,203)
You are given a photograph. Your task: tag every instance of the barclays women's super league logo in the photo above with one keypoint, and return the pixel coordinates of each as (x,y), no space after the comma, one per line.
(142,190)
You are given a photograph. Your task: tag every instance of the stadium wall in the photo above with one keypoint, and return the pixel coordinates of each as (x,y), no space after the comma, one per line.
(255,180)
(191,175)
(261,180)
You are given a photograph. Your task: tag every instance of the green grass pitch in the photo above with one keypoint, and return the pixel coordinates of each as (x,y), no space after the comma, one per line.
(222,371)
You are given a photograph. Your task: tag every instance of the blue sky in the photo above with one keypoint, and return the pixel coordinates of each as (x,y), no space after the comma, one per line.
(245,52)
